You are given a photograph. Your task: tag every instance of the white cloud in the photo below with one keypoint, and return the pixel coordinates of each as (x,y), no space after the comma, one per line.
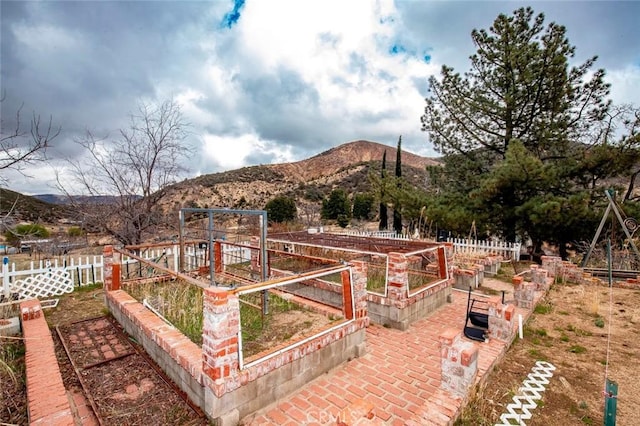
(288,80)
(625,84)
(228,153)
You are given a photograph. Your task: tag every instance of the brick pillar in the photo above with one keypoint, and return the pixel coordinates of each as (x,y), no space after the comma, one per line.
(459,362)
(359,273)
(111,268)
(30,310)
(479,268)
(221,325)
(540,278)
(501,319)
(551,263)
(523,293)
(398,278)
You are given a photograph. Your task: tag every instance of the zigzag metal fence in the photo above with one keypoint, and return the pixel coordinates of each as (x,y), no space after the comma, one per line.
(528,395)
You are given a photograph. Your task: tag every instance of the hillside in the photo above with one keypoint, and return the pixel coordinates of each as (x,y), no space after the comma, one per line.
(307,181)
(346,166)
(16,207)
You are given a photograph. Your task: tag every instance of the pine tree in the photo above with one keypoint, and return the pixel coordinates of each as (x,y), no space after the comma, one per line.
(519,87)
(384,218)
(397,216)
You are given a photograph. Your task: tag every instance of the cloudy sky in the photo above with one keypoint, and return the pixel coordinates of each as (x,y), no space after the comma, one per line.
(264,81)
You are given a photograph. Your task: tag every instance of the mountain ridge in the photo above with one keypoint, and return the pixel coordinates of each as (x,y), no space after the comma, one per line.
(345,166)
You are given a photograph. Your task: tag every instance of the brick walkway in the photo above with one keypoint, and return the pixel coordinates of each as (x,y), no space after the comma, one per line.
(399,375)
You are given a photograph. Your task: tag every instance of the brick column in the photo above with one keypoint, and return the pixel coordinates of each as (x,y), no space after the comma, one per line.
(111,268)
(523,293)
(221,325)
(540,278)
(551,264)
(501,319)
(359,273)
(459,362)
(398,278)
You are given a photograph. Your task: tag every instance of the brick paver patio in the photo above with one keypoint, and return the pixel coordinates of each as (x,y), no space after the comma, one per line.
(399,375)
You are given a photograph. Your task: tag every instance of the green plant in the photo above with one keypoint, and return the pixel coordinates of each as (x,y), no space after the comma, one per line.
(75,231)
(564,337)
(535,353)
(25,231)
(178,302)
(376,279)
(577,349)
(587,420)
(599,322)
(543,308)
(541,332)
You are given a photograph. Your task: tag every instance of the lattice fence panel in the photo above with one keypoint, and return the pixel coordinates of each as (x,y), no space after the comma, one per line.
(53,283)
(529,393)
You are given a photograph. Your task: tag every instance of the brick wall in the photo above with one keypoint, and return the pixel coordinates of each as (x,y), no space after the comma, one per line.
(459,362)
(46,395)
(399,308)
(567,271)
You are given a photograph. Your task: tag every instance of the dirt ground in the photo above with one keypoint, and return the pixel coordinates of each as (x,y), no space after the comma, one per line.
(570,329)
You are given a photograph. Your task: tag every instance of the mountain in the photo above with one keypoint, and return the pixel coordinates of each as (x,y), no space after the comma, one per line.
(346,166)
(16,207)
(307,181)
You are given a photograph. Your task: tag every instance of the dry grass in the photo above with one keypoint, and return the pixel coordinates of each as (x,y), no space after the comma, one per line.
(177,301)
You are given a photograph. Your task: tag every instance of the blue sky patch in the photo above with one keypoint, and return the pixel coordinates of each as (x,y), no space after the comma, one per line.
(396,49)
(232,18)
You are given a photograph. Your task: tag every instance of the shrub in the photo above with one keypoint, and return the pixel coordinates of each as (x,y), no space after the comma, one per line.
(599,322)
(281,209)
(75,231)
(25,231)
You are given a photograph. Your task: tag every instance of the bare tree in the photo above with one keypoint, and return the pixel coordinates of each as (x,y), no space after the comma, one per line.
(20,147)
(125,176)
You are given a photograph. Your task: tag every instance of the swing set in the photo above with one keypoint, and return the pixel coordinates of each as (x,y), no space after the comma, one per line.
(629,226)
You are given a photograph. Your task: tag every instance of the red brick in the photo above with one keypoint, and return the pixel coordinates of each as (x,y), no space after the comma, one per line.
(468,356)
(277,416)
(509,312)
(448,336)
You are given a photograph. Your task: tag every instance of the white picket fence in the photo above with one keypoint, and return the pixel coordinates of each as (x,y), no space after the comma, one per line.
(87,270)
(377,234)
(505,249)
